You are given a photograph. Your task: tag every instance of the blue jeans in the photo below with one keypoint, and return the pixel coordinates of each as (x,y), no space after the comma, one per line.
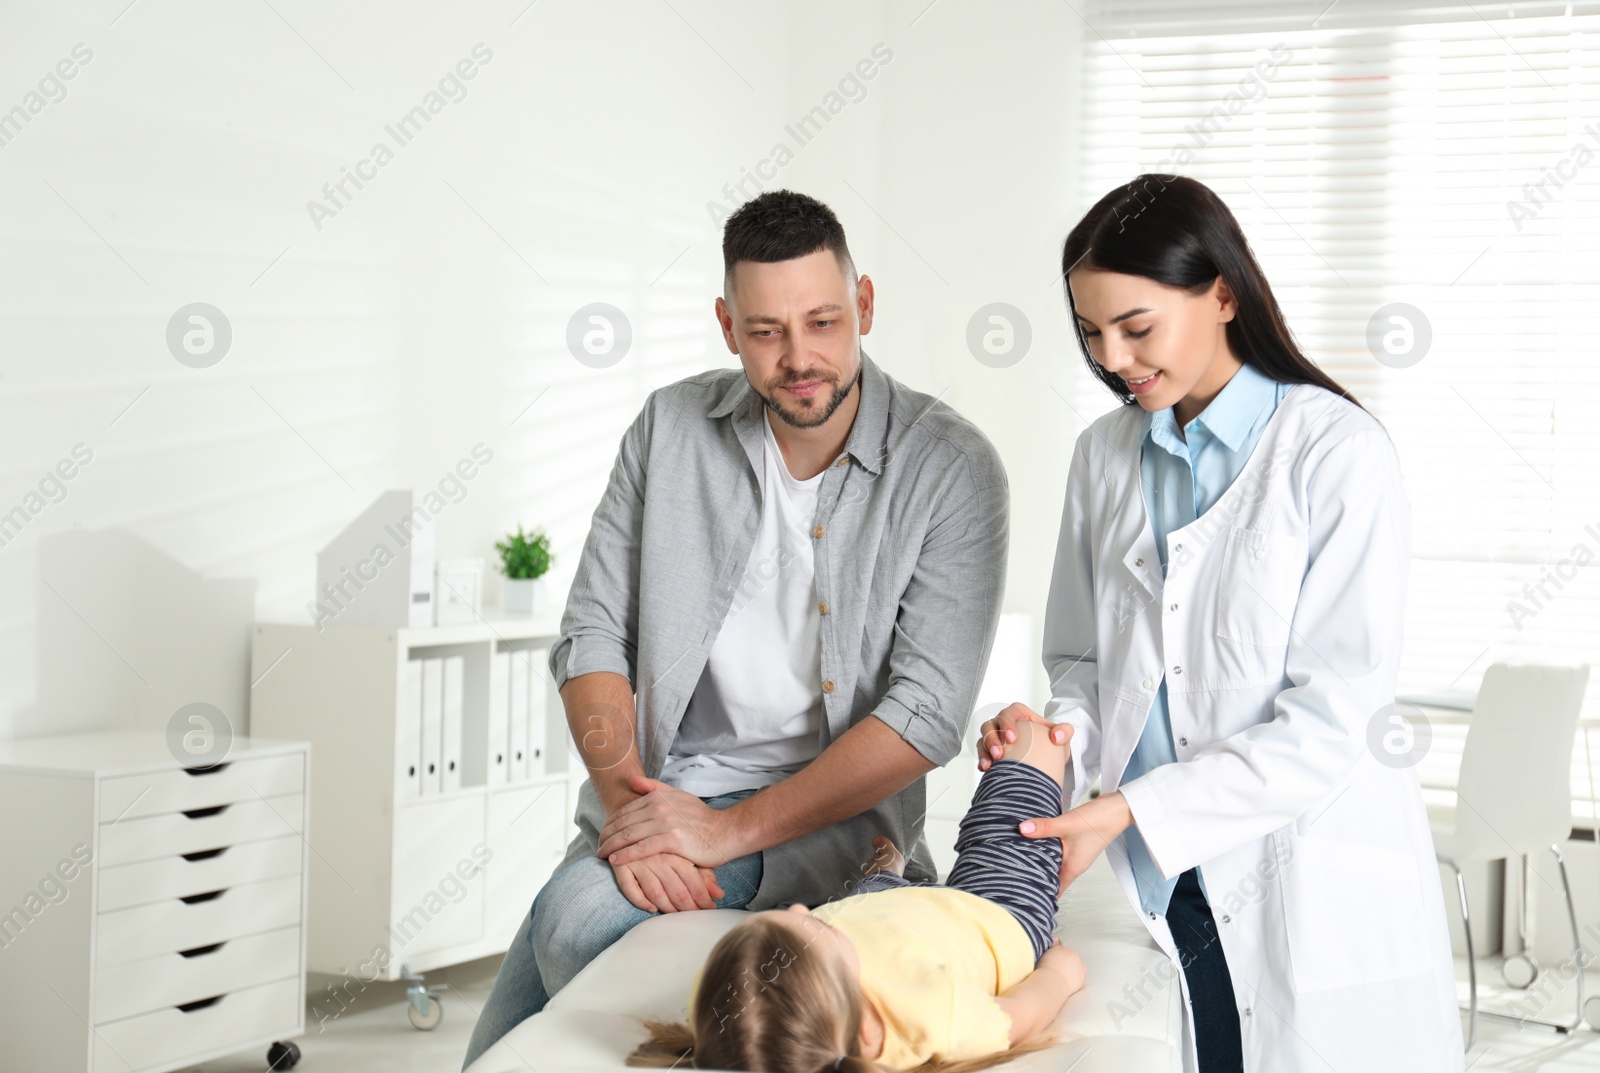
(575,916)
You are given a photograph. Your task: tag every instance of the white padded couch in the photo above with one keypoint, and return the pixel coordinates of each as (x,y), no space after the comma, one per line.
(1126,1019)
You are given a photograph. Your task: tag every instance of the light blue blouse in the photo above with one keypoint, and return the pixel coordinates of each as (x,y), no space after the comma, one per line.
(1183,475)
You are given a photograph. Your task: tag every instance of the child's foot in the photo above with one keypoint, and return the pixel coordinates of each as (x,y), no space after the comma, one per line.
(885,858)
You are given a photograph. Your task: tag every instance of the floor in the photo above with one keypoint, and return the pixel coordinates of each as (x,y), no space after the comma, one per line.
(372,1034)
(1509,1048)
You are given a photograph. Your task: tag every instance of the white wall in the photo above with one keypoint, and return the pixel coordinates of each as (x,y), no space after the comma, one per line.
(429,313)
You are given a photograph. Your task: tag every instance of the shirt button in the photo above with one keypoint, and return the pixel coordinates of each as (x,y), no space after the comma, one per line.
(1177,670)
(1226,919)
(1177,547)
(1185,743)
(1260,554)
(1148,683)
(1248,1011)
(1138,562)
(1174,607)
(822,608)
(842,460)
(827,687)
(817,532)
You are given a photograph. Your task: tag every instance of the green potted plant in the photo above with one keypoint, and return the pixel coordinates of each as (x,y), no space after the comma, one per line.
(524,560)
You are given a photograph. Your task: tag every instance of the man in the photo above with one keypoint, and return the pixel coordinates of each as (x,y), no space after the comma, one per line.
(779,624)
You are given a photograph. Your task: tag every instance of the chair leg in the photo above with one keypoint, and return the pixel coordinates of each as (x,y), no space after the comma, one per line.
(1578,957)
(1577,942)
(1472,963)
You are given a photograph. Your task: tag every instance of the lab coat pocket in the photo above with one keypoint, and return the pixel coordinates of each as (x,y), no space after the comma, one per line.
(1259,586)
(1354,914)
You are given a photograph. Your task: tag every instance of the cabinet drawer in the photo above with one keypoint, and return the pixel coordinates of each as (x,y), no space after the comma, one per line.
(136,987)
(168,926)
(173,833)
(164,1037)
(143,882)
(127,797)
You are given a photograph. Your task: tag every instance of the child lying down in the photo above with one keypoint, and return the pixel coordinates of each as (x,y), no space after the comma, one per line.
(898,975)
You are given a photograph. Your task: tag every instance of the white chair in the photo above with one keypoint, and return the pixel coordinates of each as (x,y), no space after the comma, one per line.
(1514,793)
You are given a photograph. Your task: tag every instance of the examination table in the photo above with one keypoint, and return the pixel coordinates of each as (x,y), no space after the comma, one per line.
(1127,1019)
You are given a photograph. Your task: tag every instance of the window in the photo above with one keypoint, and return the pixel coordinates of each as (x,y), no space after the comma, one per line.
(1380,153)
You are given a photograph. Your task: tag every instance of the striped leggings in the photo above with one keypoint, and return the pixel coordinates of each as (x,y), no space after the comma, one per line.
(994,860)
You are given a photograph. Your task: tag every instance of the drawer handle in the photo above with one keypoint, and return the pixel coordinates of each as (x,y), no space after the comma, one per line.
(202,813)
(209,770)
(205,854)
(208,896)
(201,951)
(200,1004)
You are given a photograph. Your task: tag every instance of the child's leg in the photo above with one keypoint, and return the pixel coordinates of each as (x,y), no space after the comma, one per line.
(993,859)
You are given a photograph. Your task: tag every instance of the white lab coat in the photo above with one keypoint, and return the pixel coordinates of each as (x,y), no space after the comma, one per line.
(1278,630)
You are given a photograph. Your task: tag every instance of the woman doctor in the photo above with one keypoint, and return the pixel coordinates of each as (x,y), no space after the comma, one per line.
(1222,638)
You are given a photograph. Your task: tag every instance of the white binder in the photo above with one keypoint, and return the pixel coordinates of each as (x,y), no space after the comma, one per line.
(518,723)
(538,703)
(450,725)
(408,740)
(499,717)
(432,720)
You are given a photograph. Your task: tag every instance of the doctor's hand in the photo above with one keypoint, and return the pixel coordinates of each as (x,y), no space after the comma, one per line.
(1085,832)
(668,883)
(665,819)
(998,732)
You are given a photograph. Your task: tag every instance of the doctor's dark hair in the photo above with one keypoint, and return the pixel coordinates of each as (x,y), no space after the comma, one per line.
(1177,231)
(781,225)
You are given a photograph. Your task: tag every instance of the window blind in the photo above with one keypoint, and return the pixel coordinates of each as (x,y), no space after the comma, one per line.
(1444,156)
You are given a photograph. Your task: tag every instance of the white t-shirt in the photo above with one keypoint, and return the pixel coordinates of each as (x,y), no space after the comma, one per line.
(756,715)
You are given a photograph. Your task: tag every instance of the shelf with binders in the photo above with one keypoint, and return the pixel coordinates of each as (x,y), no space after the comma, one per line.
(428,842)
(475,713)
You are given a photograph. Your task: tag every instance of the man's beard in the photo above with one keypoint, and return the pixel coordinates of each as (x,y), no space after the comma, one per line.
(810,418)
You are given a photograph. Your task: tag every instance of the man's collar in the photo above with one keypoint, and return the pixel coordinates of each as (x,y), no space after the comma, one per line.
(866,442)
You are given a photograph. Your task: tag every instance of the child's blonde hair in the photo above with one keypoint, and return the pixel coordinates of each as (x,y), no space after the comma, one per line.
(769,1001)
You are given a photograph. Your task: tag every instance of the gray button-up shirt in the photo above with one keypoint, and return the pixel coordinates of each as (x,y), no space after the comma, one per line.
(910,556)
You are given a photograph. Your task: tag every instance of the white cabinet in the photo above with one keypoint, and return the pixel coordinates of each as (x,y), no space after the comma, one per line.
(428,842)
(159,910)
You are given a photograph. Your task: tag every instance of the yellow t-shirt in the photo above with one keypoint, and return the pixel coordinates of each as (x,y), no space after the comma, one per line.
(932,961)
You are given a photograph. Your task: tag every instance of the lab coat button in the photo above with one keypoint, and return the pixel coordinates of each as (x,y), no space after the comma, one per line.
(1174,607)
(1260,554)
(1148,683)
(1185,743)
(1177,670)
(1226,919)
(1139,562)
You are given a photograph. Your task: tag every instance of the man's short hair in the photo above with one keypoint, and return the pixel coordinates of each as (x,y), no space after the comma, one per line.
(781,225)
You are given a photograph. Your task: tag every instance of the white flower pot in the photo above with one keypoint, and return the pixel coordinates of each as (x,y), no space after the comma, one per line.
(525,596)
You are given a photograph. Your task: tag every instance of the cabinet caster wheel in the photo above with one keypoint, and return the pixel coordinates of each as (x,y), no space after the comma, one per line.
(283,1055)
(422,1002)
(1519,971)
(427,1018)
